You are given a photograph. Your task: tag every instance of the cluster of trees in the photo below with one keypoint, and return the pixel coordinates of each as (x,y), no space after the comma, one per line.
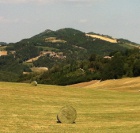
(122,64)
(11,69)
(125,64)
(23,50)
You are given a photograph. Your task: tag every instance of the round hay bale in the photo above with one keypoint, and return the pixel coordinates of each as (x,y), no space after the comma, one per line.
(34,83)
(67,114)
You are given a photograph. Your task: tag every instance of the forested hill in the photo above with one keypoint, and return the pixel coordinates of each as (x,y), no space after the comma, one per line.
(56,49)
(69,42)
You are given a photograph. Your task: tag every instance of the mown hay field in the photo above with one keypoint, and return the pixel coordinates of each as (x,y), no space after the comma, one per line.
(124,84)
(33,109)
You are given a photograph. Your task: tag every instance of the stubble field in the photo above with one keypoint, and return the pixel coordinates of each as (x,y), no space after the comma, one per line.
(33,109)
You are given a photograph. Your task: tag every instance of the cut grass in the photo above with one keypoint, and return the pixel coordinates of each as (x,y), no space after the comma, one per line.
(125,84)
(28,109)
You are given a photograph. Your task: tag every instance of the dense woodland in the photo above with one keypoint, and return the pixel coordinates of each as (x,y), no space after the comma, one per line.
(122,64)
(84,59)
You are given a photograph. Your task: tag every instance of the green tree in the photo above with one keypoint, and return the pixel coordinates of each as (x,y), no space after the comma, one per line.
(114,69)
(136,68)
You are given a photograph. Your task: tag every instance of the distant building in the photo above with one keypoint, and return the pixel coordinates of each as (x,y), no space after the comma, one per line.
(108,57)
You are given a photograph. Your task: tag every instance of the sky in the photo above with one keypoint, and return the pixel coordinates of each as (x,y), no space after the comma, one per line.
(20,19)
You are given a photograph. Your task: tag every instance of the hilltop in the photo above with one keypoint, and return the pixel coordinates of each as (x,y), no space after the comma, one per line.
(67,53)
(71,43)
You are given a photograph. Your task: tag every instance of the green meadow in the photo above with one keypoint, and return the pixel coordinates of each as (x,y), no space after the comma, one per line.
(33,109)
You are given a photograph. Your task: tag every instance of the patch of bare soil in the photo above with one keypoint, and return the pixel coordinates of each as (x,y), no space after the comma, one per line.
(112,40)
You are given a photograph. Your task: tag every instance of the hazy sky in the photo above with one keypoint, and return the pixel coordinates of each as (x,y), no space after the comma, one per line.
(21,19)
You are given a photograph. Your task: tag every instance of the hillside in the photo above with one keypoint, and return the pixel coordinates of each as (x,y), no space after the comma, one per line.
(69,54)
(111,40)
(32,109)
(125,84)
(71,43)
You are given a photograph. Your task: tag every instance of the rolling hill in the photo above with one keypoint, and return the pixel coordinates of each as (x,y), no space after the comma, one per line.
(124,84)
(65,51)
(71,43)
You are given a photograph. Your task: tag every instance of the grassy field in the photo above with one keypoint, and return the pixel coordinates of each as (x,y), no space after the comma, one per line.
(33,109)
(124,84)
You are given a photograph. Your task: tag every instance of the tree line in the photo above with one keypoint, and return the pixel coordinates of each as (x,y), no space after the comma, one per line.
(96,67)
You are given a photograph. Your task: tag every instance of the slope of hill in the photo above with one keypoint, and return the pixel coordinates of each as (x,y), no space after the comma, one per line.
(111,40)
(33,109)
(73,43)
(63,49)
(125,84)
